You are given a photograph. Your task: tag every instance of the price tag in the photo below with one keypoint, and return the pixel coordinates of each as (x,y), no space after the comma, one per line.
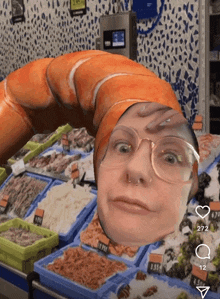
(74,167)
(75,174)
(155,263)
(65,142)
(198,277)
(5,197)
(214,210)
(64,136)
(103,247)
(38,217)
(18,167)
(103,244)
(3,206)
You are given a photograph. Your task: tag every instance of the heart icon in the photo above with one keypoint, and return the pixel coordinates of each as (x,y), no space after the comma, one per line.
(202,207)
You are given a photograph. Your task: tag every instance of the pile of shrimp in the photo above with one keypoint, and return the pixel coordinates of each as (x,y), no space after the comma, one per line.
(92,234)
(85,267)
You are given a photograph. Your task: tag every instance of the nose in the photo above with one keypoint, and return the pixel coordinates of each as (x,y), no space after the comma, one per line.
(139,167)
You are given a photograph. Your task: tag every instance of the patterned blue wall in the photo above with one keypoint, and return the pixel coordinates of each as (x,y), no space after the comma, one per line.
(167,44)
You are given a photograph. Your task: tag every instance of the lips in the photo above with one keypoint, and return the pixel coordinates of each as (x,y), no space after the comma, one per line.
(130,205)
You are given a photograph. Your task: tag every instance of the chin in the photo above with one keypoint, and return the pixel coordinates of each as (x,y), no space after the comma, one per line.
(133,234)
(127,238)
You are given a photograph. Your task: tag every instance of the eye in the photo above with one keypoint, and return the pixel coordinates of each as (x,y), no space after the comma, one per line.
(171,158)
(123,147)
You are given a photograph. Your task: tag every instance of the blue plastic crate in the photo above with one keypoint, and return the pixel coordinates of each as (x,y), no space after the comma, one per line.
(122,282)
(144,262)
(207,166)
(213,164)
(94,191)
(65,239)
(75,149)
(208,169)
(36,176)
(172,282)
(59,149)
(67,287)
(135,261)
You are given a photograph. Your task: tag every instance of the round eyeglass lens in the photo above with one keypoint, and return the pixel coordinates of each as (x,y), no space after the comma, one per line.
(121,147)
(172,158)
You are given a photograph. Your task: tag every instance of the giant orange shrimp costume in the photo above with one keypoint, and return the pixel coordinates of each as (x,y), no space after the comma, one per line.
(89,89)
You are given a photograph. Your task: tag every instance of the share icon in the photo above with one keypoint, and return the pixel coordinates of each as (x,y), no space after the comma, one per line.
(203,291)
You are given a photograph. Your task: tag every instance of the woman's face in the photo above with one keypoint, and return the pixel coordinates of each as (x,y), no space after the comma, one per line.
(138,214)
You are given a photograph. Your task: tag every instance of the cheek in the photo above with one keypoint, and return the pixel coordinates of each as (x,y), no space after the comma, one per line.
(103,178)
(178,204)
(107,182)
(107,177)
(183,203)
(175,201)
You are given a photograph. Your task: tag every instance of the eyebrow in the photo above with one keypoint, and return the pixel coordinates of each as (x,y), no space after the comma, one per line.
(155,130)
(173,126)
(162,131)
(165,109)
(147,131)
(121,127)
(184,138)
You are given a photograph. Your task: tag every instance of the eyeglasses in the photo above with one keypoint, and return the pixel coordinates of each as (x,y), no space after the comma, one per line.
(172,158)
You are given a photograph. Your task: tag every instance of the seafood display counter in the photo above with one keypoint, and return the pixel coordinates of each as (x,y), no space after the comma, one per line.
(16,284)
(41,257)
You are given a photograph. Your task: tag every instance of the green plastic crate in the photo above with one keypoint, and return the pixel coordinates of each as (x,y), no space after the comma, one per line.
(3,175)
(23,258)
(57,136)
(35,149)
